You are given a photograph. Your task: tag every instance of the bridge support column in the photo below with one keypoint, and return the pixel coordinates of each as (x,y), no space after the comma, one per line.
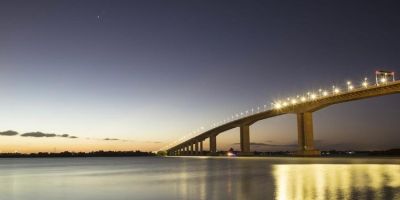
(196,148)
(306,135)
(201,147)
(245,140)
(191,149)
(213,145)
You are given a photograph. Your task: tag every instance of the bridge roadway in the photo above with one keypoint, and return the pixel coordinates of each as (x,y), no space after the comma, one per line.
(304,111)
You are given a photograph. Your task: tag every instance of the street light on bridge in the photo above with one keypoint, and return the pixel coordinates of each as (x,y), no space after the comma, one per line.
(365,83)
(335,90)
(313,96)
(349,86)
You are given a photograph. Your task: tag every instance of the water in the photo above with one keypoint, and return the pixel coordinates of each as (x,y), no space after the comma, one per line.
(199,178)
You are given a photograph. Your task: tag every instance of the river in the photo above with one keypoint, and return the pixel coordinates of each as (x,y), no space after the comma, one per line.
(199,178)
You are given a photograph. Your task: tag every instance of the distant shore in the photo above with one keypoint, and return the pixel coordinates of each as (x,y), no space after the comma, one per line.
(67,154)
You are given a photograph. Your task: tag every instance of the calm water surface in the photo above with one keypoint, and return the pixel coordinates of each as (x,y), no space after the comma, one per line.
(199,178)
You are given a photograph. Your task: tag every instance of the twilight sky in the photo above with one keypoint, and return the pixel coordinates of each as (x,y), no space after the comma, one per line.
(149,72)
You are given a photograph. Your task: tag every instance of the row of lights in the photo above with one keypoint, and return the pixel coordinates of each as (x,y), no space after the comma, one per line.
(321,94)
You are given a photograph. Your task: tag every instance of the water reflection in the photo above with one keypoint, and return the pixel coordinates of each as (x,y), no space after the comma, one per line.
(199,178)
(209,179)
(336,181)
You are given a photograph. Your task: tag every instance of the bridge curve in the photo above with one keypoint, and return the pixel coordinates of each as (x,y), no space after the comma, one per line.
(303,110)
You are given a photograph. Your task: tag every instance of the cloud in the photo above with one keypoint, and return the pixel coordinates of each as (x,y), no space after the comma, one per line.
(63,135)
(67,136)
(154,142)
(111,139)
(8,133)
(38,134)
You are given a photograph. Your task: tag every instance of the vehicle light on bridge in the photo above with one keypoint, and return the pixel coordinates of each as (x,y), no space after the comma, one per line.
(324,93)
(313,96)
(303,99)
(294,101)
(285,103)
(383,80)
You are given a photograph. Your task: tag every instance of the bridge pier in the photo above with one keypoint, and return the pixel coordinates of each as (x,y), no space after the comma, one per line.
(185,149)
(213,145)
(196,148)
(201,147)
(306,135)
(245,140)
(190,149)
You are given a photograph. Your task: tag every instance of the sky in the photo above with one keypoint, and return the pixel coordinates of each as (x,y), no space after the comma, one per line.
(137,75)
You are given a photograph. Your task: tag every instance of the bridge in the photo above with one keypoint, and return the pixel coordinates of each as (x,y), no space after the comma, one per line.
(302,106)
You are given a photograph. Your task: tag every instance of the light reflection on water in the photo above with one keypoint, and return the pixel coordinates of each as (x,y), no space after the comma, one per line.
(199,178)
(336,181)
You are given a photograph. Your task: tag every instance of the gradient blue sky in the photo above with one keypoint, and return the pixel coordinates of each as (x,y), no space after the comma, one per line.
(149,72)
